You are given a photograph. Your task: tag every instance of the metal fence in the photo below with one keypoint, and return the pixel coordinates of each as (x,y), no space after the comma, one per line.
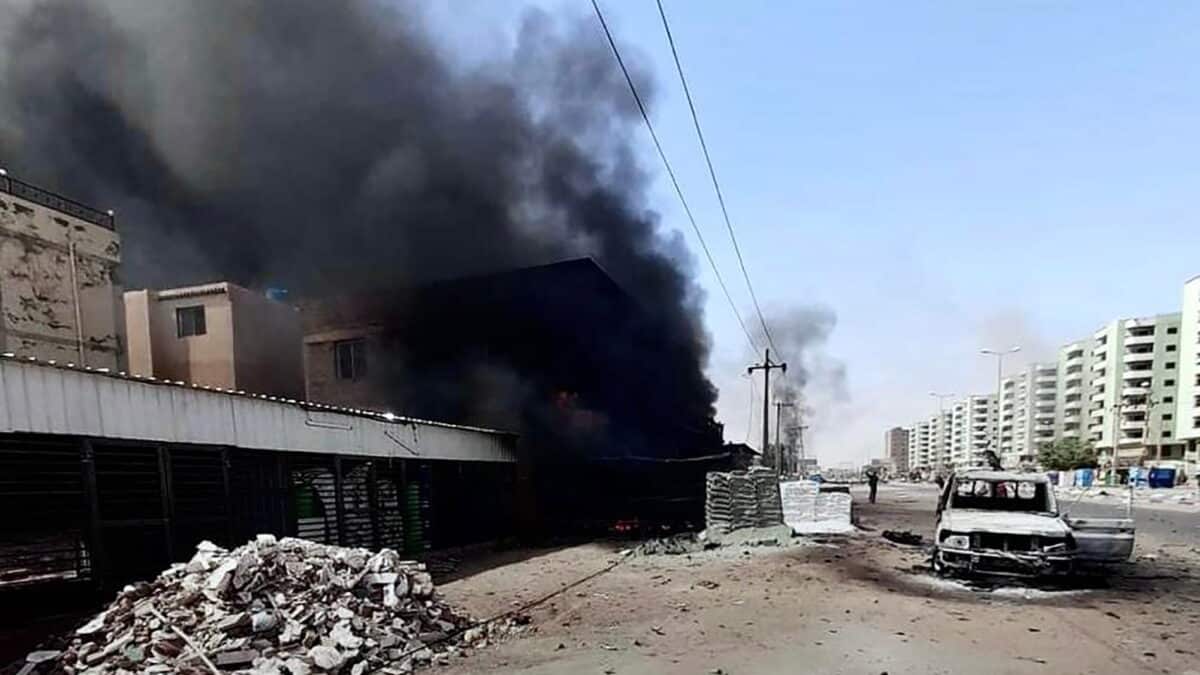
(105,512)
(57,202)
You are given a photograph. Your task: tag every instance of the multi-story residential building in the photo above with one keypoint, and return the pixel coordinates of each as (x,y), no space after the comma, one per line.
(1135,379)
(60,294)
(1027,413)
(1044,400)
(1187,398)
(895,447)
(918,446)
(959,436)
(219,335)
(1074,389)
(981,434)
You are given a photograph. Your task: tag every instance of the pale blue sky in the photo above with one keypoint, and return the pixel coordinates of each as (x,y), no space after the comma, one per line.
(942,175)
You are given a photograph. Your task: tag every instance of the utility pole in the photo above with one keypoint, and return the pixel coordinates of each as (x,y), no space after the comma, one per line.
(779,406)
(767,366)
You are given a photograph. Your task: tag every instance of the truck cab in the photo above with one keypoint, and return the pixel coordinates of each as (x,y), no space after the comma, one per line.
(1003,523)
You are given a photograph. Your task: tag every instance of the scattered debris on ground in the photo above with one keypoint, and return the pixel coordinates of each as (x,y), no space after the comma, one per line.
(678,544)
(904,537)
(274,607)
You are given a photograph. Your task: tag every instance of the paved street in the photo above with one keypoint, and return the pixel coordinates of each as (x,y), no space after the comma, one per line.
(856,604)
(1162,524)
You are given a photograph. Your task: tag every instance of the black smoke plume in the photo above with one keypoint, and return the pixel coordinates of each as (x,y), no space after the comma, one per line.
(331,147)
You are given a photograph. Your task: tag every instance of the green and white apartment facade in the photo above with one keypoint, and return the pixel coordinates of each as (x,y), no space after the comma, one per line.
(1134,380)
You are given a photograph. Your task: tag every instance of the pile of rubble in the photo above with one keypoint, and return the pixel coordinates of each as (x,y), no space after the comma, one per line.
(286,607)
(740,499)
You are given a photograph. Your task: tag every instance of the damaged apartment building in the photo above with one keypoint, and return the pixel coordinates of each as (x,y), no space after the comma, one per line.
(60,292)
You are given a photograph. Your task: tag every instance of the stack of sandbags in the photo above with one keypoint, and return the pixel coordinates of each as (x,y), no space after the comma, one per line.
(767,500)
(718,502)
(742,499)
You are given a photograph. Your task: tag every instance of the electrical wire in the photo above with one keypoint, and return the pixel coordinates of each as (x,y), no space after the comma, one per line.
(713,174)
(674,181)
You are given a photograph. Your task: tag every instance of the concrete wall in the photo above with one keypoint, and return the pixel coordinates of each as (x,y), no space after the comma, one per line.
(37,303)
(199,359)
(267,343)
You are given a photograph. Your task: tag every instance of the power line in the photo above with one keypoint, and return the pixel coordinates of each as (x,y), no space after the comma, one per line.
(675,182)
(713,174)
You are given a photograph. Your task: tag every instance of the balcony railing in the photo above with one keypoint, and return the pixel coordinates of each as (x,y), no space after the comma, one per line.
(57,202)
(1139,340)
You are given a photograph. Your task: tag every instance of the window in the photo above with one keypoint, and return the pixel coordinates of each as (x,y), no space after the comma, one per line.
(1166,433)
(1168,399)
(1168,383)
(350,359)
(1172,330)
(1167,416)
(190,321)
(1170,365)
(1172,348)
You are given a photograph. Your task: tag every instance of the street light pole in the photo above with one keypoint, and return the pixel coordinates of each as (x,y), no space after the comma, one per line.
(999,354)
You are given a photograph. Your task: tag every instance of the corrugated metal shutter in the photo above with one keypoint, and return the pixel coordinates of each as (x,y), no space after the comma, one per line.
(44,522)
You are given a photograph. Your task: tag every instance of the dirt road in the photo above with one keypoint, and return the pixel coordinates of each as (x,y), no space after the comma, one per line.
(855,604)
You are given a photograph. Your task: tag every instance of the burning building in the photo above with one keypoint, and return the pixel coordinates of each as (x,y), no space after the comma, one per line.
(560,353)
(337,148)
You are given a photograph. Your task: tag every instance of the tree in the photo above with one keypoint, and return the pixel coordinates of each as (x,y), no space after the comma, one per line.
(1066,454)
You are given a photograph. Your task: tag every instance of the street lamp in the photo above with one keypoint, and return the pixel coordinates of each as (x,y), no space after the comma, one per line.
(999,354)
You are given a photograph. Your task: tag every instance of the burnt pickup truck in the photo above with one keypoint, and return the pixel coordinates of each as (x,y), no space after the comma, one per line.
(1000,523)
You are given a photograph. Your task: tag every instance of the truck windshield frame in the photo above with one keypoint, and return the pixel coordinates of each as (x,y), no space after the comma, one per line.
(1003,495)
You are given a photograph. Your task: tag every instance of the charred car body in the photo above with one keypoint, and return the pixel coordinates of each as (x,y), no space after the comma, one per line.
(994,522)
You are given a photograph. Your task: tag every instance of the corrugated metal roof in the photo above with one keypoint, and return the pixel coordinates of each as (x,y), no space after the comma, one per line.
(49,397)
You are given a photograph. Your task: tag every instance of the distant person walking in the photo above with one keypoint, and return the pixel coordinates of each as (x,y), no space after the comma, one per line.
(872,484)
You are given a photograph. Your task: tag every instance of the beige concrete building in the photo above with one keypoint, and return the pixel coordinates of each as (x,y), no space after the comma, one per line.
(60,292)
(1187,399)
(895,447)
(217,335)
(1135,378)
(1028,413)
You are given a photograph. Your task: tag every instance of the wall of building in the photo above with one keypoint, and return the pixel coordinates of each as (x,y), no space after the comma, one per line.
(267,344)
(198,359)
(1187,398)
(40,288)
(321,381)
(250,343)
(895,447)
(1137,366)
(1074,389)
